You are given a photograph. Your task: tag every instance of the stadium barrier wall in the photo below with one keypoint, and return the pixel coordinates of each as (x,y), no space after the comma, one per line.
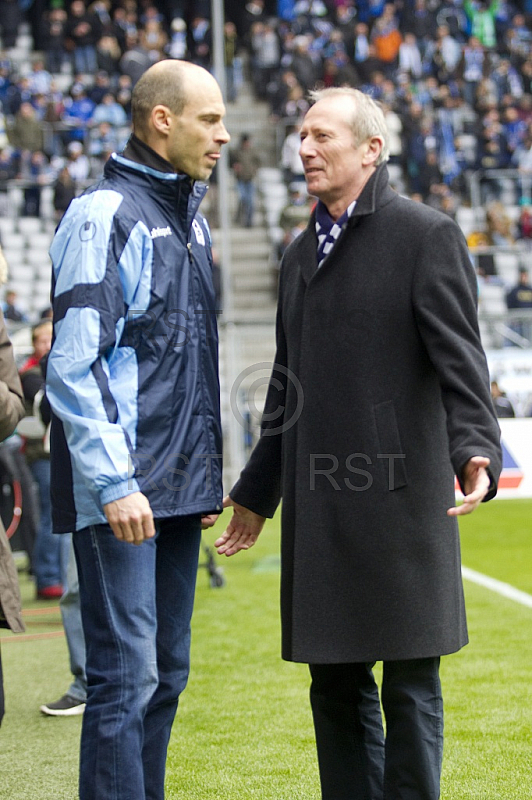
(516,477)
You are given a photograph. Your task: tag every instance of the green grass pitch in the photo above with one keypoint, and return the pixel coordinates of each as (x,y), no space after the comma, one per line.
(244,729)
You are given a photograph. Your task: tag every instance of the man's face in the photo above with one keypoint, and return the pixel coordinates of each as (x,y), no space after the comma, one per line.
(334,165)
(197,135)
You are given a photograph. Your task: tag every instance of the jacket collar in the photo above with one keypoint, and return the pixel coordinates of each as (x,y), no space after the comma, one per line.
(166,184)
(376,193)
(138,151)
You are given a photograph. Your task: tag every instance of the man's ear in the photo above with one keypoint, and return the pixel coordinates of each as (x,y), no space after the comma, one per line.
(373,150)
(160,119)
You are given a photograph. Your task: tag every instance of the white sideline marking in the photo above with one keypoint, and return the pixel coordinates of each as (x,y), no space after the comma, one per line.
(504,589)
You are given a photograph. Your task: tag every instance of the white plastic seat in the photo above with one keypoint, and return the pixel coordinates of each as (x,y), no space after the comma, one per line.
(42,290)
(21,271)
(38,257)
(13,241)
(40,240)
(269,175)
(492,299)
(507,265)
(7,227)
(29,226)
(23,288)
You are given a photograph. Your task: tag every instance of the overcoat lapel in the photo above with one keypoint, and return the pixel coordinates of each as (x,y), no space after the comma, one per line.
(307,253)
(376,193)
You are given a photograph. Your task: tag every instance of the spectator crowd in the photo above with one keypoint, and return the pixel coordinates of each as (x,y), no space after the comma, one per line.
(455,78)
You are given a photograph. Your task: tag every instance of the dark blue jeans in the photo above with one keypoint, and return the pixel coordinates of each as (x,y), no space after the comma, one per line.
(50,552)
(136,605)
(356,760)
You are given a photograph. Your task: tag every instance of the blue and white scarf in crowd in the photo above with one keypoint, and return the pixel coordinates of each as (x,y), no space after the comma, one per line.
(328,230)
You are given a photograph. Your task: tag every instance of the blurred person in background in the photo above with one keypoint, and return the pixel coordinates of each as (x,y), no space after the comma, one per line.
(520,298)
(52,36)
(64,192)
(26,132)
(77,163)
(499,226)
(10,308)
(77,112)
(108,54)
(200,41)
(8,171)
(101,86)
(177,45)
(245,163)
(135,59)
(11,411)
(108,110)
(10,19)
(103,141)
(503,407)
(386,38)
(524,225)
(73,702)
(154,39)
(36,171)
(82,31)
(290,158)
(50,553)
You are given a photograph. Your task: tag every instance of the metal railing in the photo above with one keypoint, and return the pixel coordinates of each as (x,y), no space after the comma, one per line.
(510,329)
(522,183)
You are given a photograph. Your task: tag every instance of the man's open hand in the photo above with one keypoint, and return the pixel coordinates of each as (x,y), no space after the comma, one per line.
(476,482)
(242,532)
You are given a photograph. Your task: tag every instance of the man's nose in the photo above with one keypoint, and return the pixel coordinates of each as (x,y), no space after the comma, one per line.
(305,148)
(223,134)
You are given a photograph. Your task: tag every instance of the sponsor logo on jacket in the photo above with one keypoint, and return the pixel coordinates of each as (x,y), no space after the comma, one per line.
(155,233)
(200,238)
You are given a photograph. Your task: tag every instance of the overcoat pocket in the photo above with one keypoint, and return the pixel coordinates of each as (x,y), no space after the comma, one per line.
(391,453)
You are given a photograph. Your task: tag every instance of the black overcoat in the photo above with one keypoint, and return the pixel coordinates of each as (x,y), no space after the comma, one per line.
(379,394)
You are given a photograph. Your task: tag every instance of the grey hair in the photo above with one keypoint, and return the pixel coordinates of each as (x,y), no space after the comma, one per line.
(367,119)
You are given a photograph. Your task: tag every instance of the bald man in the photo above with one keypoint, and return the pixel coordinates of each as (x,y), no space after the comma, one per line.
(136,439)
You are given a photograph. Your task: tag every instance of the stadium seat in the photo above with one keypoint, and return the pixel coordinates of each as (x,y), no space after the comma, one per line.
(20,271)
(7,227)
(29,226)
(269,175)
(507,265)
(40,241)
(492,299)
(470,219)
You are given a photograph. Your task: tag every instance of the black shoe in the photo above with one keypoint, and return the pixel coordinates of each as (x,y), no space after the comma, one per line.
(66,706)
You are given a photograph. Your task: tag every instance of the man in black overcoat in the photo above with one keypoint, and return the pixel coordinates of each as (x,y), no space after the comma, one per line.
(379,396)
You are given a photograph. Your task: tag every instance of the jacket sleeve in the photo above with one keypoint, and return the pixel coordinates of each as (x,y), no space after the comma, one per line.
(96,268)
(445,305)
(11,397)
(259,485)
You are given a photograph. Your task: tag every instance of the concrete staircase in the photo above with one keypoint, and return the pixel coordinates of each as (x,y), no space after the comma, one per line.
(249,342)
(251,258)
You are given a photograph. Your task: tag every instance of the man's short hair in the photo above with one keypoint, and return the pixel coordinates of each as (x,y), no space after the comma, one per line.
(367,119)
(162,88)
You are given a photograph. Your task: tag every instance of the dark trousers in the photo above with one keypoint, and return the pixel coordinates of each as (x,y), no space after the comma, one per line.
(356,760)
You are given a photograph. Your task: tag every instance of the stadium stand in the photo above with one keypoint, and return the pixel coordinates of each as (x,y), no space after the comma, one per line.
(459,109)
